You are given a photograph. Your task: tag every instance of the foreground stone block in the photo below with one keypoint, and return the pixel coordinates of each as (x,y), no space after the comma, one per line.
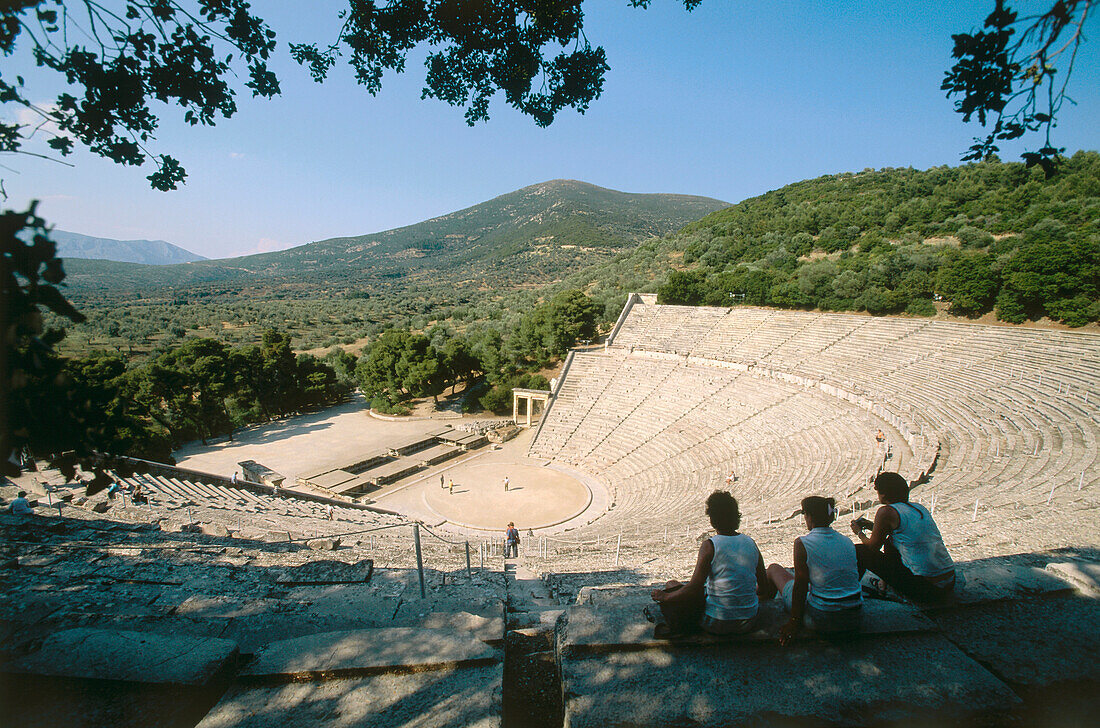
(365,652)
(1083,575)
(452,698)
(1032,643)
(140,657)
(487,629)
(989,581)
(909,679)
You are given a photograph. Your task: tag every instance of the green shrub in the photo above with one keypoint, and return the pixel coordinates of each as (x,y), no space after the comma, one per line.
(383,406)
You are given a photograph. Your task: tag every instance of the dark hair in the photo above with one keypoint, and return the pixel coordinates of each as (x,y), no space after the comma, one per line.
(893,487)
(723,511)
(820,510)
(22,493)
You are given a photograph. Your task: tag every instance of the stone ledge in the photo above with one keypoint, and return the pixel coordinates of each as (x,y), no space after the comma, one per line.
(365,652)
(123,656)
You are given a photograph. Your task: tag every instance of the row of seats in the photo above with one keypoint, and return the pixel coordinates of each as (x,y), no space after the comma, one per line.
(245,512)
(1009,415)
(661,433)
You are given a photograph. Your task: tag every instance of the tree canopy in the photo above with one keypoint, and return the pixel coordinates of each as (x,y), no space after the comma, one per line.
(1013,75)
(118,57)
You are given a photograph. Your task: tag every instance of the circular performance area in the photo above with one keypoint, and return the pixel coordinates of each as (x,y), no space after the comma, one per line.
(537,497)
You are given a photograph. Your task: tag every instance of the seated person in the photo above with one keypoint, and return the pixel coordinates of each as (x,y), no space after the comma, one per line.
(913,559)
(20,506)
(823,593)
(722,594)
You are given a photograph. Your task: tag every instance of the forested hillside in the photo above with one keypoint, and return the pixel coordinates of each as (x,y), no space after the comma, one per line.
(339,290)
(981,237)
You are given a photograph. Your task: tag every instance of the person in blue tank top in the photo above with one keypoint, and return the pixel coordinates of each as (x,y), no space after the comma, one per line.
(904,547)
(722,596)
(823,592)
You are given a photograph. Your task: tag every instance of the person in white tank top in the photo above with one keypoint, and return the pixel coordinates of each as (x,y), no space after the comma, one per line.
(913,559)
(823,592)
(722,596)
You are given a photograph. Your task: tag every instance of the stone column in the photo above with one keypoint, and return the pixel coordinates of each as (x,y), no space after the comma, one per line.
(530,404)
(515,408)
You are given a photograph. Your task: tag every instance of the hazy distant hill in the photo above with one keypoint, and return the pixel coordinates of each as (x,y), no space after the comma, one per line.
(149,252)
(535,233)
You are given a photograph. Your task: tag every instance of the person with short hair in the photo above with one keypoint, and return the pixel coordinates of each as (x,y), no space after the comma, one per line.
(823,593)
(904,547)
(20,506)
(506,483)
(723,595)
(511,541)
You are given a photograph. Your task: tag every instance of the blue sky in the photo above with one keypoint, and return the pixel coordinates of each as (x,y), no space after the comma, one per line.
(729,101)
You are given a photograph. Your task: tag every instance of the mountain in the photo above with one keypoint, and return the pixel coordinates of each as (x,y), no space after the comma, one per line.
(148,252)
(535,234)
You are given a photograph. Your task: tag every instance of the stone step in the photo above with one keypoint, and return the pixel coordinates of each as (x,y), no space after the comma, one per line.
(1032,643)
(123,656)
(465,696)
(898,678)
(366,652)
(396,676)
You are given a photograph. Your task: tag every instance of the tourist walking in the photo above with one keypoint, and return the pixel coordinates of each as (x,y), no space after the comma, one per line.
(511,541)
(451,486)
(506,481)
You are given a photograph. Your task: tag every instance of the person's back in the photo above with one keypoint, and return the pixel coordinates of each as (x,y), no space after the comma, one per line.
(731,585)
(20,506)
(834,575)
(918,541)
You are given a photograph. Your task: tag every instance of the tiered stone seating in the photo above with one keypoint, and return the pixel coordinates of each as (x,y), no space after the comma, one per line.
(683,395)
(662,433)
(241,511)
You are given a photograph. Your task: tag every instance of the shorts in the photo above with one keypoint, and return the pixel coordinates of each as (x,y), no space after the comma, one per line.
(711,625)
(821,620)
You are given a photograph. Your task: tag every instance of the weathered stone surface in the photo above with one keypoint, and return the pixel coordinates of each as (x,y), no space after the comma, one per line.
(894,678)
(616,595)
(368,651)
(467,696)
(141,657)
(987,581)
(324,544)
(1083,575)
(101,507)
(487,629)
(591,628)
(223,607)
(327,571)
(1033,642)
(214,529)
